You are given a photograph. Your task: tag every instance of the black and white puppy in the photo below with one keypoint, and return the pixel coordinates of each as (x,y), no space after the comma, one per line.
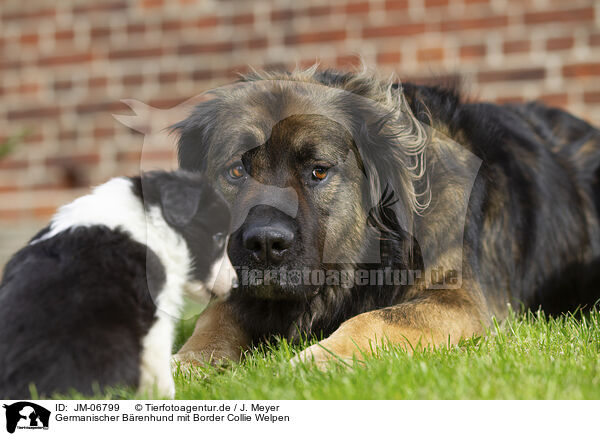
(92,300)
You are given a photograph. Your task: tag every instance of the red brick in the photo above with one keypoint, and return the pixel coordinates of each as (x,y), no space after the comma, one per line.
(63,35)
(430,54)
(209,47)
(10,214)
(309,62)
(29,39)
(163,155)
(63,85)
(559,43)
(81,159)
(34,113)
(100,7)
(133,28)
(395,5)
(101,132)
(66,59)
(202,75)
(44,212)
(510,99)
(133,80)
(11,64)
(95,106)
(171,25)
(569,15)
(276,66)
(25,15)
(582,69)
(67,135)
(511,75)
(135,53)
(473,51)
(129,155)
(100,33)
(13,164)
(282,15)
(516,46)
(28,88)
(591,97)
(210,21)
(560,99)
(33,138)
(151,4)
(97,82)
(316,37)
(347,61)
(392,31)
(436,3)
(390,57)
(168,77)
(256,43)
(239,20)
(317,11)
(357,8)
(475,23)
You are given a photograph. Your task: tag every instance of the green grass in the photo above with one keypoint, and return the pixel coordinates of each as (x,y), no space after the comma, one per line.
(527,357)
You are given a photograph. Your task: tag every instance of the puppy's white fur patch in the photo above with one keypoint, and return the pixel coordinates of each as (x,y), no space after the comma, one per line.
(114,205)
(221,276)
(218,283)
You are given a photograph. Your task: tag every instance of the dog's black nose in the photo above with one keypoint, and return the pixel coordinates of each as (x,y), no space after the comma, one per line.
(268,244)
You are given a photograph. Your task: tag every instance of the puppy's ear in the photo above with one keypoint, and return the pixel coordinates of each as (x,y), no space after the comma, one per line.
(179,203)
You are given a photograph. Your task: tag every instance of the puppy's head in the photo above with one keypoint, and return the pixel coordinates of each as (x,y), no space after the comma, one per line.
(198,213)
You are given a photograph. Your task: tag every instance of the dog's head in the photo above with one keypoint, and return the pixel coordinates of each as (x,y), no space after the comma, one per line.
(305,165)
(201,216)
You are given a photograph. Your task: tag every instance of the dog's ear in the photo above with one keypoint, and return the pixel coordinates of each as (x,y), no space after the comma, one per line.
(179,202)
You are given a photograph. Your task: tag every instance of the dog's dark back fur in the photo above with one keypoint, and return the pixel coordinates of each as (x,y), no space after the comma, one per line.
(531,234)
(539,179)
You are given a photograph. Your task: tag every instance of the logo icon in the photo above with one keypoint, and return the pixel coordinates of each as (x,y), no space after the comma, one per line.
(26,415)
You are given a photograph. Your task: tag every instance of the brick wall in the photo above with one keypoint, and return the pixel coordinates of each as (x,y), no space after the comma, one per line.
(65,66)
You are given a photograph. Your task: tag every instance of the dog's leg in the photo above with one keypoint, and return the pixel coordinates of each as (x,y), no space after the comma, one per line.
(216,338)
(438,318)
(156,379)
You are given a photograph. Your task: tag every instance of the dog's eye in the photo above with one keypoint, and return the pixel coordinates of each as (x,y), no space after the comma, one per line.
(319,173)
(236,171)
(219,238)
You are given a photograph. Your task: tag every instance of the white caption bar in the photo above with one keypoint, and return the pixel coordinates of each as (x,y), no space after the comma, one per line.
(299,417)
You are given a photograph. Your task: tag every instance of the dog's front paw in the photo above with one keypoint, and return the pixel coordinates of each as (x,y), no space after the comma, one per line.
(187,361)
(323,355)
(190,360)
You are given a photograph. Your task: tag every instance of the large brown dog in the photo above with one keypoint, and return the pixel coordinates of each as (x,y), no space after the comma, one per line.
(461,209)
